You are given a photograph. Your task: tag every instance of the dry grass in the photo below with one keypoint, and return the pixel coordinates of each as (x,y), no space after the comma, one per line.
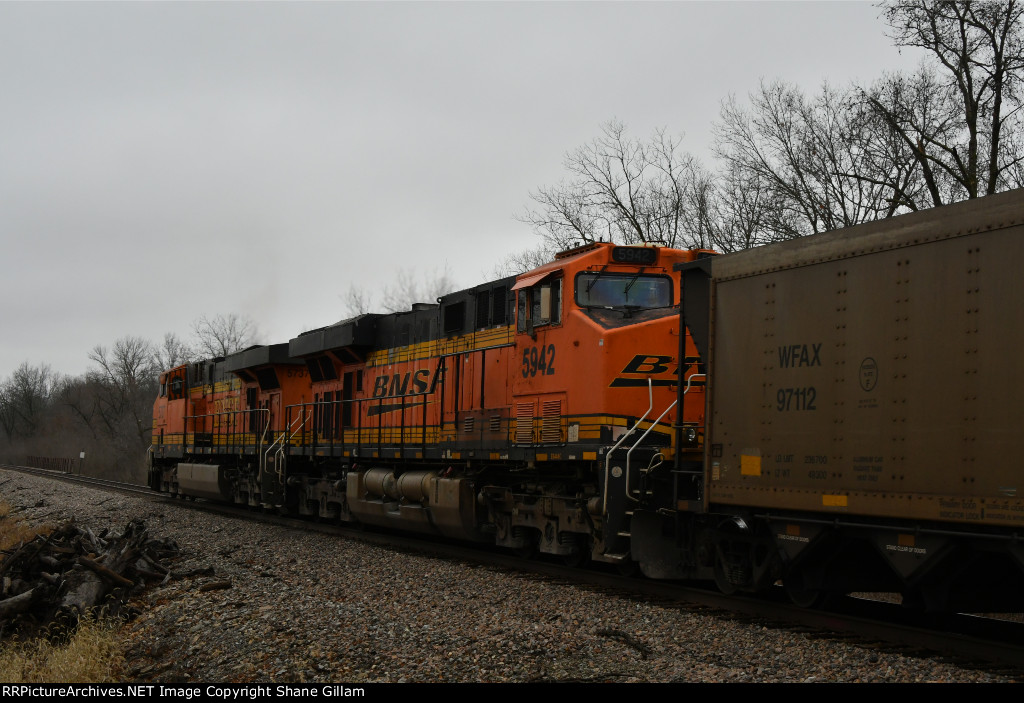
(91,655)
(14,531)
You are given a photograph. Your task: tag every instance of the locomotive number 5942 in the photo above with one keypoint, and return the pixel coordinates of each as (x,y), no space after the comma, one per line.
(539,360)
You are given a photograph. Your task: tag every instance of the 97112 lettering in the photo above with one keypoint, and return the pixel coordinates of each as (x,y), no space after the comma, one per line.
(796,399)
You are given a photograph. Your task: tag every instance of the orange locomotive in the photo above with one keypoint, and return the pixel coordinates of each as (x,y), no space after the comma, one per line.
(532,411)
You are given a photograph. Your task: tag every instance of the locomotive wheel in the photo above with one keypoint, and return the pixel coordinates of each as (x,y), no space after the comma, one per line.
(580,554)
(576,559)
(527,551)
(628,568)
(530,539)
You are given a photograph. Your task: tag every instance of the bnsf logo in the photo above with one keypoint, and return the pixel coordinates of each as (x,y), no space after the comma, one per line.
(654,365)
(389,386)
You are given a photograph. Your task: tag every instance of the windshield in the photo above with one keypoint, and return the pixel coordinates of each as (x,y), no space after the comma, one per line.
(609,290)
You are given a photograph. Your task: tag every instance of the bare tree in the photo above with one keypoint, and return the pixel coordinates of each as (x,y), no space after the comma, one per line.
(407,289)
(734,210)
(959,120)
(357,301)
(126,380)
(402,293)
(816,158)
(523,261)
(25,397)
(224,334)
(81,397)
(886,159)
(37,420)
(173,352)
(620,189)
(1013,141)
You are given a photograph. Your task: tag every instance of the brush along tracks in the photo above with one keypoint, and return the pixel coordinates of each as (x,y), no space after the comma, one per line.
(55,579)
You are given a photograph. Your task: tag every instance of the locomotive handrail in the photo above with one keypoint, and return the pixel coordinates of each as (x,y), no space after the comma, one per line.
(266,454)
(629,454)
(282,434)
(263,436)
(316,410)
(281,449)
(334,432)
(266,428)
(608,456)
(689,381)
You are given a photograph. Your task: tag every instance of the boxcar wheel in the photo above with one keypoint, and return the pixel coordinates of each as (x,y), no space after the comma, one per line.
(799,594)
(722,580)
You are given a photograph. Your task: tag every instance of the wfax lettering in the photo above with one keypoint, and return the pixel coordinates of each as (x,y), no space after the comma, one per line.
(797,355)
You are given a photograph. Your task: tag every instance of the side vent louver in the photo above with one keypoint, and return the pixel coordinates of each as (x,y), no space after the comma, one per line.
(551,422)
(524,423)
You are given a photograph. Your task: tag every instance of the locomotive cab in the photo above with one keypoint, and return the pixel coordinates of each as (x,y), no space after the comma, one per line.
(169,411)
(267,383)
(597,419)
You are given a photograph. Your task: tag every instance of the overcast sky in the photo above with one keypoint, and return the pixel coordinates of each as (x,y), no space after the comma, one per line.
(162,161)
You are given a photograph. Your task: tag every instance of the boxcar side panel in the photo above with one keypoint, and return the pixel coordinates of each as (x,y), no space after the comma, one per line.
(875,376)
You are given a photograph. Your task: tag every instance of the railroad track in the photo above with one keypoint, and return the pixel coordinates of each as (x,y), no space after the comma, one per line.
(979,642)
(92,481)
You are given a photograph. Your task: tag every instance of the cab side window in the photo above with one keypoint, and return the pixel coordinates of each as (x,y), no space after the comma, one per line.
(539,305)
(177,388)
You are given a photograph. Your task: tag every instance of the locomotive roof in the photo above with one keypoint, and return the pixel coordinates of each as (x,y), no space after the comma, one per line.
(260,355)
(359,331)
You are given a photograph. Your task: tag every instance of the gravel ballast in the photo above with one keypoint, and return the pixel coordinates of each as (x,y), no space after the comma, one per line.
(290,606)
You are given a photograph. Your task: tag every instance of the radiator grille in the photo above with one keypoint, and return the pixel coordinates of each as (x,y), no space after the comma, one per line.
(551,421)
(524,423)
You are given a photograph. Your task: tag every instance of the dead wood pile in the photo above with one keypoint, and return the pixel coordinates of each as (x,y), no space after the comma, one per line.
(58,578)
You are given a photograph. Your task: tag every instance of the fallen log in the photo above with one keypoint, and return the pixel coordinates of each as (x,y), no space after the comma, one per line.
(19,604)
(85,594)
(104,572)
(215,585)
